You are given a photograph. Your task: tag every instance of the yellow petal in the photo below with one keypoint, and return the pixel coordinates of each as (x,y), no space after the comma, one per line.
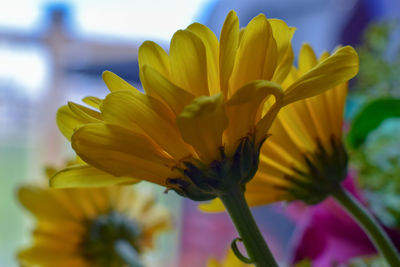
(161,88)
(47,233)
(256,57)
(266,121)
(136,110)
(243,110)
(307,59)
(211,45)
(47,204)
(292,76)
(120,152)
(213,263)
(229,41)
(68,120)
(215,205)
(189,63)
(85,113)
(92,101)
(86,176)
(153,55)
(49,257)
(334,70)
(202,123)
(283,35)
(116,83)
(324,56)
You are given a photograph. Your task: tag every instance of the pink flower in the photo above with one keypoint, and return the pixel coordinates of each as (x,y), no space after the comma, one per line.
(327,235)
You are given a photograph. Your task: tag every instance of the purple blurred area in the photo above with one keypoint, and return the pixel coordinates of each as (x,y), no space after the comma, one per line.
(54,52)
(207,235)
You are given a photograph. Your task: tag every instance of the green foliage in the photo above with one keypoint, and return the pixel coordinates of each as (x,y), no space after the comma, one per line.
(370,117)
(374,132)
(379,62)
(378,165)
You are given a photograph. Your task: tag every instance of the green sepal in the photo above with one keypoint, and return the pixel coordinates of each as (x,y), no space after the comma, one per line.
(205,182)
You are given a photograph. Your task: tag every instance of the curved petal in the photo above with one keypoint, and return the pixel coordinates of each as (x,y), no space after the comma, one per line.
(188,61)
(121,152)
(86,176)
(153,55)
(266,121)
(136,110)
(92,101)
(161,88)
(202,123)
(211,45)
(85,113)
(244,107)
(307,59)
(71,116)
(116,83)
(334,70)
(256,57)
(229,42)
(283,36)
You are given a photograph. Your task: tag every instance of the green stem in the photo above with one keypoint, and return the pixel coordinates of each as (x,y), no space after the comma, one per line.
(255,245)
(127,253)
(375,232)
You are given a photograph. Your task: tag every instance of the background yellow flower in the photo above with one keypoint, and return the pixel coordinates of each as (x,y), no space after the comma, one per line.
(78,227)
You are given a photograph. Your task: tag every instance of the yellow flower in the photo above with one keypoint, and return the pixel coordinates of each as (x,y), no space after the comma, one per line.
(304,157)
(229,261)
(206,110)
(78,227)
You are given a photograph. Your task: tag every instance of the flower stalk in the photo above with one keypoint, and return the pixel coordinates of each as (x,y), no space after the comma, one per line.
(256,247)
(127,253)
(374,231)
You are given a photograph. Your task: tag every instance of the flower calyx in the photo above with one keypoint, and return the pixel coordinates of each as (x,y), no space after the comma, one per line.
(326,169)
(205,182)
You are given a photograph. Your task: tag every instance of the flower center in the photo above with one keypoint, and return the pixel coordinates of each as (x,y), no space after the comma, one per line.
(102,233)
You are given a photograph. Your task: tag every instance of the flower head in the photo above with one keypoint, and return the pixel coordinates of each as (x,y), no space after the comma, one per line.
(304,158)
(206,110)
(78,227)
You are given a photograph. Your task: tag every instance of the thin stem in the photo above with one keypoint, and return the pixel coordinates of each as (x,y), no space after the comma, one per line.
(127,253)
(255,245)
(374,231)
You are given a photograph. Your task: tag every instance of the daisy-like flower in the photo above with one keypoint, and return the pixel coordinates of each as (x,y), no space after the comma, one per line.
(229,261)
(80,227)
(205,113)
(304,158)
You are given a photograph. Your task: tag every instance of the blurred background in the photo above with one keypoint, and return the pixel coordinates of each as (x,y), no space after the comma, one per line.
(52,52)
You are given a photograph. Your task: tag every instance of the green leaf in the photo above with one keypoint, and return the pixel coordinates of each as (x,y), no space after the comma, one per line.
(370,117)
